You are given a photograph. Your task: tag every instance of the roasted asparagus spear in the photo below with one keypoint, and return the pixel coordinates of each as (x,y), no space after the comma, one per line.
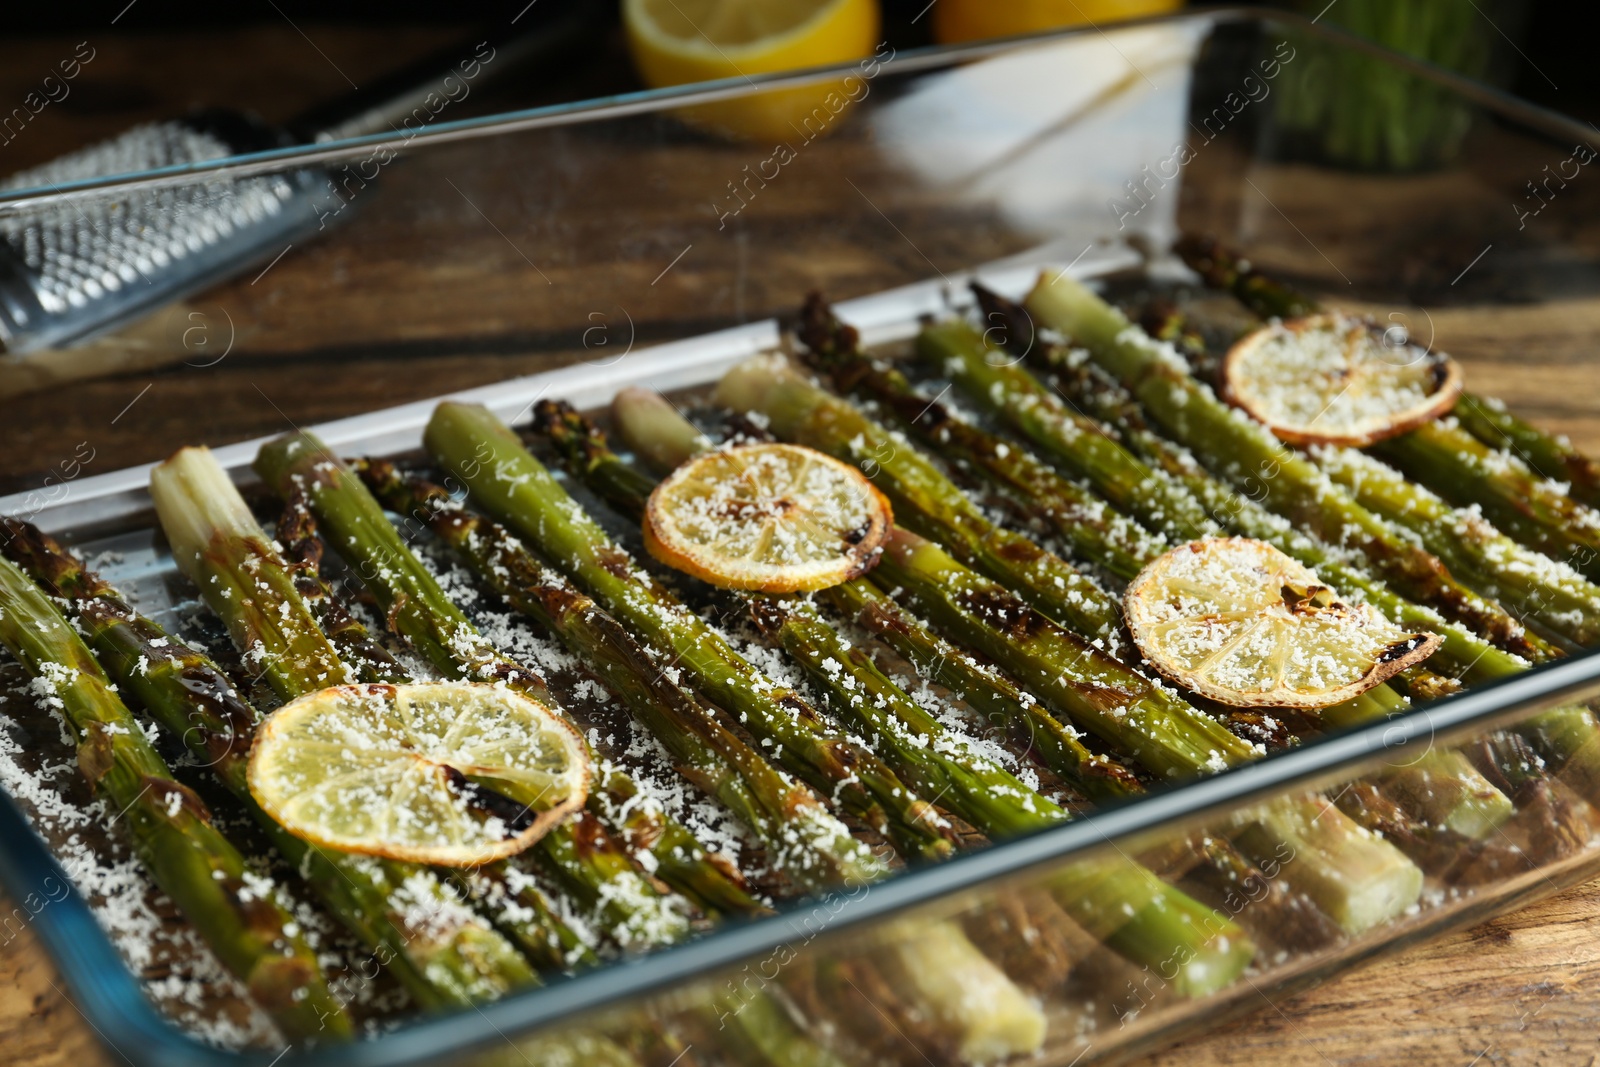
(171,827)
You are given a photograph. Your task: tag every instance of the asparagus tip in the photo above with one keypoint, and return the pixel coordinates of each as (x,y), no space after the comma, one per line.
(821,331)
(1017,331)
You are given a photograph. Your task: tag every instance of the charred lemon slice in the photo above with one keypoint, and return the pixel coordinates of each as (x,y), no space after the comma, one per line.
(769,517)
(1238,621)
(445,773)
(1338,380)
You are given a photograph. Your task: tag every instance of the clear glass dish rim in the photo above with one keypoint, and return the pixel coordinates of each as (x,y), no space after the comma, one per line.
(110,998)
(111,1001)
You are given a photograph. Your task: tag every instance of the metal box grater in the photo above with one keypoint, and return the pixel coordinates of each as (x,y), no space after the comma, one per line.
(85,267)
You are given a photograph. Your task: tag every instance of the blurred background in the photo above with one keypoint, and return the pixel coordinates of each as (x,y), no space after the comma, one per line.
(475,236)
(155,59)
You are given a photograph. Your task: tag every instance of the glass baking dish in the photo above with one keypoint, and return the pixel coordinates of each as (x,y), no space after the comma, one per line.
(613,241)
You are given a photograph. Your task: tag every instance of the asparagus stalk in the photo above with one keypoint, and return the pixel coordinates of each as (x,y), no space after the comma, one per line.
(586,453)
(1140,718)
(924,499)
(510,483)
(1554,595)
(994,801)
(1257,291)
(214,536)
(656,431)
(998,1021)
(439,950)
(1163,320)
(501,890)
(1246,453)
(946,975)
(1569,737)
(1468,472)
(992,695)
(1005,389)
(804,840)
(663,435)
(1465,464)
(592,862)
(924,989)
(1473,802)
(1090,388)
(1096,531)
(297,533)
(1355,875)
(1550,456)
(659,432)
(173,836)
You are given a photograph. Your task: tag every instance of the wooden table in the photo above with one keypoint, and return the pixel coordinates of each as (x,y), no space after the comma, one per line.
(1518,989)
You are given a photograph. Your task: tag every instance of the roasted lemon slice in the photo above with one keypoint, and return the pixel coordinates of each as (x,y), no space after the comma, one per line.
(769,517)
(1238,621)
(1338,380)
(444,773)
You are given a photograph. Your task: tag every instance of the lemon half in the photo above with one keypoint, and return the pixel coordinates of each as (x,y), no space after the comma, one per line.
(972,20)
(677,42)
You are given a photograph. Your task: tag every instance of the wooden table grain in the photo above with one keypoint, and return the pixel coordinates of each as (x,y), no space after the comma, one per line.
(1519,989)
